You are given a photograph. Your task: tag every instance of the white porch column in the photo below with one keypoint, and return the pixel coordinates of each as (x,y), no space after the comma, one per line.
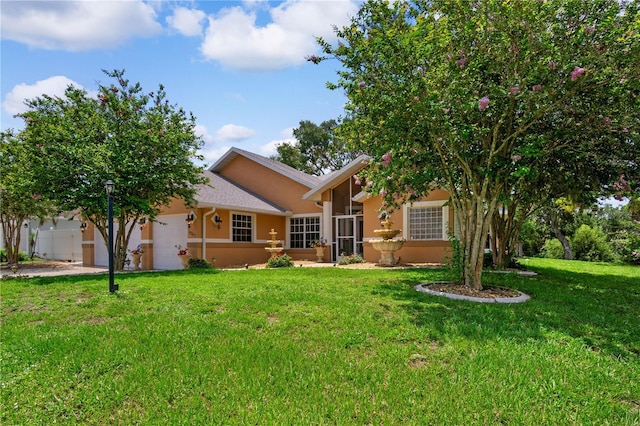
(327,224)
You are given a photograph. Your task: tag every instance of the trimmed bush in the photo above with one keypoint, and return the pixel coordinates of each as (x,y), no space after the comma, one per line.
(552,249)
(281,260)
(197,263)
(352,258)
(591,244)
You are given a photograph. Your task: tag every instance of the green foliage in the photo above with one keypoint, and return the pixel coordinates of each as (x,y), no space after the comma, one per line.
(197,263)
(531,237)
(590,244)
(20,198)
(454,259)
(488,99)
(140,141)
(552,249)
(317,150)
(280,260)
(22,256)
(350,259)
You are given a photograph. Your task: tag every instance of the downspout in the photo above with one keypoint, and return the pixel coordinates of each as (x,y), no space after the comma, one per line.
(204,232)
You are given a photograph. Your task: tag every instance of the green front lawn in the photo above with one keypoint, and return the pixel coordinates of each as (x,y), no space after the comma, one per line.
(321,346)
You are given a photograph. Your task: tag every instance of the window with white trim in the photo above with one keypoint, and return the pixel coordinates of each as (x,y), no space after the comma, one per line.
(303,230)
(241,227)
(427,221)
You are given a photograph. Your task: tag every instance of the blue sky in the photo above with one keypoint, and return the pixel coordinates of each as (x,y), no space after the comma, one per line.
(238,66)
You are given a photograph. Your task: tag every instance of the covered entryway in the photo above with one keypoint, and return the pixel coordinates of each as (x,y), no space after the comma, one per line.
(348,231)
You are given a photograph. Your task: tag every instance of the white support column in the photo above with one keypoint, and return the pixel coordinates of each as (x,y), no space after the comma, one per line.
(327,222)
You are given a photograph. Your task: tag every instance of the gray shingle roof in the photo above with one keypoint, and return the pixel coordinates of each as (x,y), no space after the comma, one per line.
(223,193)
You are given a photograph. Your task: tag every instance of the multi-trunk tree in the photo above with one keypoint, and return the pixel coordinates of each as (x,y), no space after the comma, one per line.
(140,141)
(469,95)
(19,197)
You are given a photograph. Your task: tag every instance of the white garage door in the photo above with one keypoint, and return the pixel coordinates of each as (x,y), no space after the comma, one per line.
(165,237)
(100,256)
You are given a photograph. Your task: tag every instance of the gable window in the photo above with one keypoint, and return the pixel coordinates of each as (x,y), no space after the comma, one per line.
(304,230)
(427,221)
(241,225)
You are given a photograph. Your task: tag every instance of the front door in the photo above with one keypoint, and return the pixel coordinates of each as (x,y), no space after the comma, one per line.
(349,230)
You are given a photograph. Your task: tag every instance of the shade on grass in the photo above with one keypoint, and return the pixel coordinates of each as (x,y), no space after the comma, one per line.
(321,346)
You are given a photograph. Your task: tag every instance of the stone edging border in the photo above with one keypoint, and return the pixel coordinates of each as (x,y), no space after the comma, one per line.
(521,298)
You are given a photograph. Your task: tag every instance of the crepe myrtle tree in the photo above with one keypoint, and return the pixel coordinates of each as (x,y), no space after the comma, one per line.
(19,199)
(461,94)
(140,141)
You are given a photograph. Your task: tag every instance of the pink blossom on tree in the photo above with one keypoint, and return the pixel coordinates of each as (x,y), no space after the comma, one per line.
(483,103)
(577,73)
(386,159)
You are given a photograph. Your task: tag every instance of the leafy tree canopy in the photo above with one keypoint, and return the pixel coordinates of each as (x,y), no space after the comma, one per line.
(19,197)
(317,150)
(471,96)
(140,141)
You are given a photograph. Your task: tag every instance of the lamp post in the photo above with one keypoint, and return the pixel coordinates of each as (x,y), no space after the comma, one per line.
(110,187)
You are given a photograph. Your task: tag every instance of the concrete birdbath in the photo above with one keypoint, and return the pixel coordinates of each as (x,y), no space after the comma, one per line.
(387,245)
(272,248)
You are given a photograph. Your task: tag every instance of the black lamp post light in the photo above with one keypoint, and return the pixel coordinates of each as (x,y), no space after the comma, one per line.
(110,187)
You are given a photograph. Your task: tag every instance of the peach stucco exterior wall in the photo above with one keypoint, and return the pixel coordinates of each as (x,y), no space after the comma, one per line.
(437,251)
(277,188)
(88,246)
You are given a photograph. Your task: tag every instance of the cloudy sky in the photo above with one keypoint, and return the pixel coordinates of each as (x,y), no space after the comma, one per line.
(238,66)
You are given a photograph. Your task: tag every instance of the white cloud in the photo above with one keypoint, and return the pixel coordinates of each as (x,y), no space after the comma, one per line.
(269,149)
(187,22)
(203,133)
(315,18)
(52,86)
(213,154)
(234,38)
(287,133)
(233,132)
(77,25)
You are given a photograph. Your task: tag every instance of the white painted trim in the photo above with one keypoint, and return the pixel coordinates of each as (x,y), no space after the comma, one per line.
(294,216)
(253,226)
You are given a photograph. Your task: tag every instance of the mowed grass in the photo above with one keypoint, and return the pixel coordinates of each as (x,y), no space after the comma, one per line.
(321,346)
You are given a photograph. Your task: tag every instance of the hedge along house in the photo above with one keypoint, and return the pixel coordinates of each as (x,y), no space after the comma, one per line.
(249,195)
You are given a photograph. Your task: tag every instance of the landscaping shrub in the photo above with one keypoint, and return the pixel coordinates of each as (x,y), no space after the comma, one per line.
(352,258)
(531,236)
(552,249)
(22,256)
(281,260)
(197,263)
(626,243)
(590,244)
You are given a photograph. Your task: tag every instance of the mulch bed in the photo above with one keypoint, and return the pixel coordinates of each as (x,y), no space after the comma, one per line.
(487,292)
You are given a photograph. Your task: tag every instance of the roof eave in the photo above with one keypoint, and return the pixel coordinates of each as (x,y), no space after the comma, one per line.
(345,173)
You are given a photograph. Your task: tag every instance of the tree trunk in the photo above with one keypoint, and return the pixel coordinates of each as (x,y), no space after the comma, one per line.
(11,227)
(475,222)
(568,254)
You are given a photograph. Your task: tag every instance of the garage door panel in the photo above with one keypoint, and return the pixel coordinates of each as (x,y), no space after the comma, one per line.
(166,236)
